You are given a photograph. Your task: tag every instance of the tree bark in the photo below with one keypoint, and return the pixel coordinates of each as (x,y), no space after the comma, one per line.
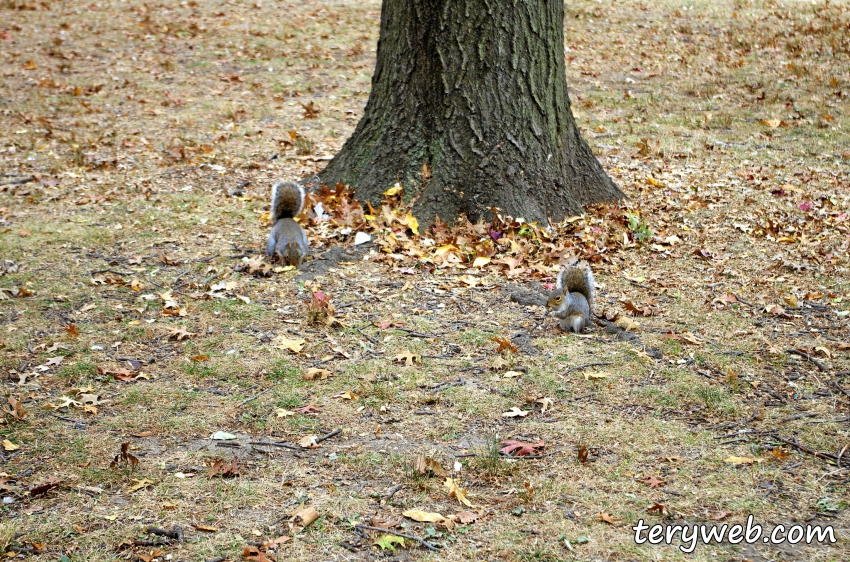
(469,110)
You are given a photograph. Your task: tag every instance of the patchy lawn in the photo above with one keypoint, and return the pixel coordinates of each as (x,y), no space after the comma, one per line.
(138,142)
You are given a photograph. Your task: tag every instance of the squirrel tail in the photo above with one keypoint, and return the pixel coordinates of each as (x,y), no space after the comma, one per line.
(576,279)
(287,200)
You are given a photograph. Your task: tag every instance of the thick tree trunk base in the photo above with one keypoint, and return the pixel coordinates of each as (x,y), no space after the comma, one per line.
(469,111)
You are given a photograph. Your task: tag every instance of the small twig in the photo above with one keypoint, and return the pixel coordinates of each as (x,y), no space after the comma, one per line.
(585,366)
(798,416)
(742,301)
(803,448)
(114,272)
(443,386)
(254,397)
(392,491)
(423,542)
(336,431)
(18,182)
(820,365)
(368,337)
(844,392)
(415,334)
(277,444)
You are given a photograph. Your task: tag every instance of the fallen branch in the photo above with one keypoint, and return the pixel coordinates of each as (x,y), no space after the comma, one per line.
(423,542)
(585,366)
(336,431)
(254,397)
(804,355)
(277,444)
(793,443)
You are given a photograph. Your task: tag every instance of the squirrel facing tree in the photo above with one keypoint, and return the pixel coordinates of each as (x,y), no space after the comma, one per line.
(287,239)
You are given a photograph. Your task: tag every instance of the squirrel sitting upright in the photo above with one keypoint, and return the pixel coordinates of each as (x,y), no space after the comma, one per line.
(572,298)
(287,239)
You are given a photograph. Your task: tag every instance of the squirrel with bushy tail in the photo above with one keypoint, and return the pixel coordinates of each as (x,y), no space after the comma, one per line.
(287,239)
(572,299)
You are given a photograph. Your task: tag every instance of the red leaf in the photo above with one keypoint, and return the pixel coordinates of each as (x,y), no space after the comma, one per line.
(520,449)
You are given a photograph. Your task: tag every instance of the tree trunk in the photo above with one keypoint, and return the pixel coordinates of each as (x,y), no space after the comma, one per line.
(469,110)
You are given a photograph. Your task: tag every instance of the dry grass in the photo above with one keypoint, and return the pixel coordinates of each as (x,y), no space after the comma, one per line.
(138,121)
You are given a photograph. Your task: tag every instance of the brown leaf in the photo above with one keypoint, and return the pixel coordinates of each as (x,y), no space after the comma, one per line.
(310,110)
(225,469)
(180,334)
(657,509)
(124,456)
(505,345)
(582,454)
(653,481)
(426,465)
(606,518)
(72,331)
(45,486)
(15,409)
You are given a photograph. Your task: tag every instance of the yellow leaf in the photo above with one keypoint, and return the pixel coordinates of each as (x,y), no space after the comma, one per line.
(742,460)
(409,358)
(347,395)
(139,484)
(394,190)
(445,249)
(313,374)
(470,280)
(283,413)
(457,492)
(9,446)
(283,342)
(480,261)
(427,517)
(596,375)
(772,123)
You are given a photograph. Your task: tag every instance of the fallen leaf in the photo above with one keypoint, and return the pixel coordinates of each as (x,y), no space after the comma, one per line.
(426,465)
(347,395)
(457,492)
(505,345)
(742,460)
(387,542)
(595,375)
(653,482)
(409,358)
(606,518)
(315,374)
(9,446)
(425,516)
(180,334)
(283,342)
(139,484)
(520,449)
(516,412)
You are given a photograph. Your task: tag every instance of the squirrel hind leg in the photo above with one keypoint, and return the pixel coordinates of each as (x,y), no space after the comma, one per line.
(576,323)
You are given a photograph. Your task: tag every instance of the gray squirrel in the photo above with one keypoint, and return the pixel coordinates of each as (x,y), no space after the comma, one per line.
(572,299)
(287,239)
